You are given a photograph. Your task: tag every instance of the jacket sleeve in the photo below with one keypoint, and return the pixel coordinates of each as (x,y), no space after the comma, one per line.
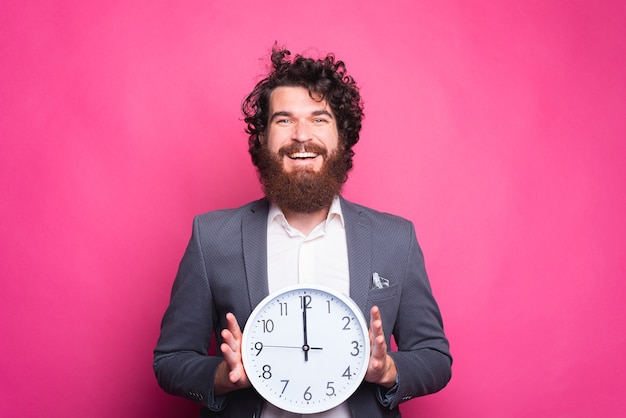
(181,363)
(423,359)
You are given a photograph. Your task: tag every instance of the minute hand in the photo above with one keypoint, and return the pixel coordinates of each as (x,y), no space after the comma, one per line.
(305,346)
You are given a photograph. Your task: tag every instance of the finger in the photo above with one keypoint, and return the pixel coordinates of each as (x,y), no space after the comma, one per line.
(229,353)
(233,325)
(379,347)
(229,340)
(376,320)
(233,360)
(374,313)
(376,323)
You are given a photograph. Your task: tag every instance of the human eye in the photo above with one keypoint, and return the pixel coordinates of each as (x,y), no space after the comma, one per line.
(321,118)
(283,121)
(281,118)
(320,121)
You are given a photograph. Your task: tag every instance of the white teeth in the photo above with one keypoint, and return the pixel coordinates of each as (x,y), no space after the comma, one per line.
(302,155)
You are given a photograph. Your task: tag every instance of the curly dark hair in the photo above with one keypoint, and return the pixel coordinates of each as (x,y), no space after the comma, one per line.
(325,78)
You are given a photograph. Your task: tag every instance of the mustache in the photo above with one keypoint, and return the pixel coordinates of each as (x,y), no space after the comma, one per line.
(293,148)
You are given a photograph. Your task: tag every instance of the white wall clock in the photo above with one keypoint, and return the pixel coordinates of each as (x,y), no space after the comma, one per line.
(306,348)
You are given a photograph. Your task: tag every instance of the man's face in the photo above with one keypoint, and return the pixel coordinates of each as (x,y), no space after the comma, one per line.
(302,131)
(301,165)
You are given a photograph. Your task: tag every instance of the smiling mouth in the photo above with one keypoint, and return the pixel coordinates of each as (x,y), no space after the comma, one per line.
(302,155)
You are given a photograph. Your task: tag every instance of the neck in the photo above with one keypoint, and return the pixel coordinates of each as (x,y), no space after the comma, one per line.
(305,222)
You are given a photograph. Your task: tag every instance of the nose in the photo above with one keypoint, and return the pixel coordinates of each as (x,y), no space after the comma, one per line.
(302,132)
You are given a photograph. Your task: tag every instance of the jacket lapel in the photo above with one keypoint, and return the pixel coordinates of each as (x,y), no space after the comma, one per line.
(358,238)
(359,241)
(254,237)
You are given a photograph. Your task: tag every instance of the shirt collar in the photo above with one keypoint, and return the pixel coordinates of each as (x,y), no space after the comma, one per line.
(335,211)
(275,213)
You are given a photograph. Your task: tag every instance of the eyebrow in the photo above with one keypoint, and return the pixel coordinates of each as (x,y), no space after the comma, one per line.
(320,112)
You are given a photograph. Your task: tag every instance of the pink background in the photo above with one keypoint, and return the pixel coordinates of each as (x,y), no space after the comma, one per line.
(497,127)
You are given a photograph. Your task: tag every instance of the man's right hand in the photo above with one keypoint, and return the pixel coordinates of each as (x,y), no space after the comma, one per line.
(230,373)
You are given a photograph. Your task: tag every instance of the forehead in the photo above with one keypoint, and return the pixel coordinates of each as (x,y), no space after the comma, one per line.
(292,98)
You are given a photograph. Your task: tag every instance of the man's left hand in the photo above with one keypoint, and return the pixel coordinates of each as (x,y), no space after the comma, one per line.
(381,368)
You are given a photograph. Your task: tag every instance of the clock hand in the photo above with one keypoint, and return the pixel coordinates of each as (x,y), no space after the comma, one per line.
(283,346)
(292,346)
(305,347)
(305,301)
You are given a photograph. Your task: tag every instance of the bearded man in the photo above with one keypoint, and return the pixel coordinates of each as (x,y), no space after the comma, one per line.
(303,120)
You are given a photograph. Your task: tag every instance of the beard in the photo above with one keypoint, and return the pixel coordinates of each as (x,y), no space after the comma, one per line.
(302,190)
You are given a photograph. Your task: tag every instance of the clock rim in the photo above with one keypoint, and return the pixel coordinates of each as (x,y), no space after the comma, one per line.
(310,409)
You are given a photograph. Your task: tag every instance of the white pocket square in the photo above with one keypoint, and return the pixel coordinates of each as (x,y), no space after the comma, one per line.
(379,282)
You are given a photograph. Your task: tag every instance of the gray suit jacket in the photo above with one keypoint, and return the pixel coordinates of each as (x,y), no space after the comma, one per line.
(224,269)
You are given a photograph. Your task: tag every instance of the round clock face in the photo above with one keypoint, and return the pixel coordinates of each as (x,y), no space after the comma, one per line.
(306,348)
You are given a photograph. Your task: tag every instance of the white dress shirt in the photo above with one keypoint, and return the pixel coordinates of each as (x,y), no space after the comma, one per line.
(320,258)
